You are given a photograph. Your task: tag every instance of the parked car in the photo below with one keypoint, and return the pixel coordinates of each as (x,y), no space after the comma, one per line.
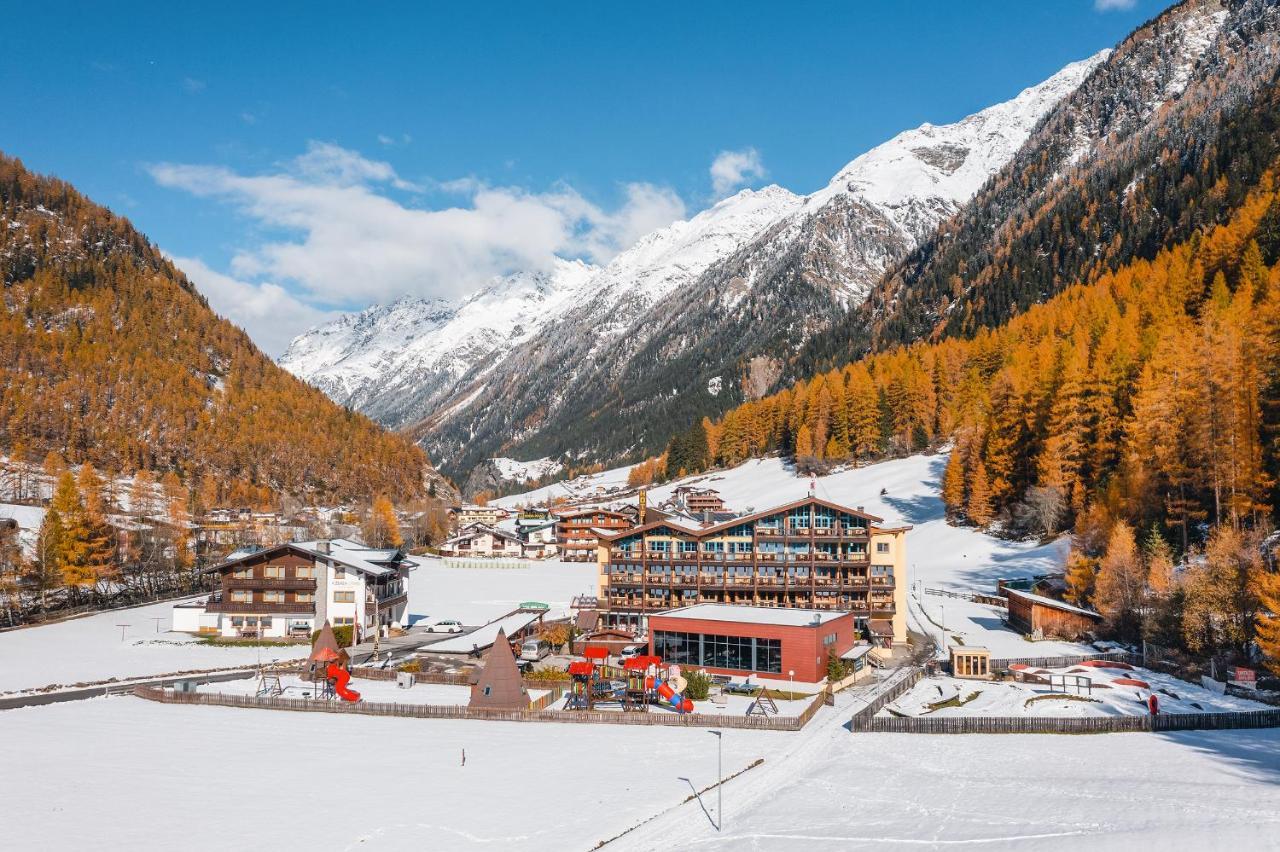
(535,649)
(632,651)
(445,625)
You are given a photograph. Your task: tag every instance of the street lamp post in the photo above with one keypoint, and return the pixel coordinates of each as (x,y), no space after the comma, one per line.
(719,735)
(792,675)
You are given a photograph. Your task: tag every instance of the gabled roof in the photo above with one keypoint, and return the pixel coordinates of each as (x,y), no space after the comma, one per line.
(473,530)
(1062,606)
(344,552)
(754,516)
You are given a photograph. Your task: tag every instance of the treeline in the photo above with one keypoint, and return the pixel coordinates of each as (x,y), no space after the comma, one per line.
(108,356)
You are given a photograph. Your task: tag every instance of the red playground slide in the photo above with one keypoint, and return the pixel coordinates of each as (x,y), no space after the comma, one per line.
(341,677)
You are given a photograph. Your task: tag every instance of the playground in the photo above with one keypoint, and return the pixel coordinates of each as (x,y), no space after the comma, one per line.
(1091,689)
(645,684)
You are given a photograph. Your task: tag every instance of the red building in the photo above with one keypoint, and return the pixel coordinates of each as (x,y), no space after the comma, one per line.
(768,641)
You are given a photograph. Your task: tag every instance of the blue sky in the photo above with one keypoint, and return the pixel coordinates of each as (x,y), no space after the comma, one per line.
(309,158)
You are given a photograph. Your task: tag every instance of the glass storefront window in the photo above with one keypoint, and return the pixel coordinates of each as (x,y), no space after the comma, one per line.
(741,653)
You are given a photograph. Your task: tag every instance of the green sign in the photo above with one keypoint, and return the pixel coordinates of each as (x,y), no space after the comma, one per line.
(534,605)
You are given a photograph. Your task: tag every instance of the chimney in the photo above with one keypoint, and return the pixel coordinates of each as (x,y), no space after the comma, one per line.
(859,508)
(322,546)
(706,517)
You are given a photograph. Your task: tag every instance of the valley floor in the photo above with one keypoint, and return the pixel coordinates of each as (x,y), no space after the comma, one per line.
(212,777)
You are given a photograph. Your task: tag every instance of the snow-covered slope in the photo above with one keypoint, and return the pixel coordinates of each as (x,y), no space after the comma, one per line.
(682,314)
(395,362)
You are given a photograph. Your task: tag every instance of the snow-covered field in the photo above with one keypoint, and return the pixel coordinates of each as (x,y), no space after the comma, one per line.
(215,778)
(91,649)
(382,691)
(563,787)
(1107,697)
(836,790)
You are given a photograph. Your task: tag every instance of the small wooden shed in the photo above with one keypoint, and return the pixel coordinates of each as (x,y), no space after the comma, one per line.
(970,662)
(1045,617)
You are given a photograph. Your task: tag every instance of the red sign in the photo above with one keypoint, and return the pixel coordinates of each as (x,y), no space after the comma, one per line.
(1240,675)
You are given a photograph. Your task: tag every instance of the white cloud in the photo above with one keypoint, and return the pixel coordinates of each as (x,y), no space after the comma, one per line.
(732,169)
(192,85)
(346,241)
(269,313)
(1114,5)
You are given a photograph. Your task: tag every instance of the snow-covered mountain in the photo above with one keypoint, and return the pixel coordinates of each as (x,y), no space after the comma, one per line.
(608,376)
(397,362)
(702,310)
(401,362)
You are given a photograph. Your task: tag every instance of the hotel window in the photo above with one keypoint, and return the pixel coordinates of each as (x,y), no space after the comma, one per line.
(344,597)
(342,622)
(304,597)
(243,574)
(882,547)
(265,622)
(305,572)
(688,547)
(273,572)
(242,596)
(273,597)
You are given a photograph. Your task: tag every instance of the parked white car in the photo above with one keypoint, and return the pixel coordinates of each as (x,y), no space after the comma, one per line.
(445,625)
(632,651)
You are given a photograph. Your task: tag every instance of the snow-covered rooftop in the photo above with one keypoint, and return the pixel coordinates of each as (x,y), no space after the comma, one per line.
(755,614)
(1052,602)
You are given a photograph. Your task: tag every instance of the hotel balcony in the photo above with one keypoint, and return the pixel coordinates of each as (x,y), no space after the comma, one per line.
(299,584)
(259,608)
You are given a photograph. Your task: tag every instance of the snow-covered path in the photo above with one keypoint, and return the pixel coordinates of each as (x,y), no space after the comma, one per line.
(836,790)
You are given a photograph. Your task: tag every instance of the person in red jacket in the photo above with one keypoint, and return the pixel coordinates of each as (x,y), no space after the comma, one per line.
(1153,704)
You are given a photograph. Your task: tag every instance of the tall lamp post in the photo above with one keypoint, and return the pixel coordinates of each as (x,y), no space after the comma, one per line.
(719,735)
(792,675)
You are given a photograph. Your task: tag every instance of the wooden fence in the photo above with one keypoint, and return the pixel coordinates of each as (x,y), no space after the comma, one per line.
(891,693)
(436,711)
(1070,725)
(1060,662)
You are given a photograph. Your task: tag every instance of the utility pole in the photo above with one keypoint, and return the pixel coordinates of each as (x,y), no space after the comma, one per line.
(719,735)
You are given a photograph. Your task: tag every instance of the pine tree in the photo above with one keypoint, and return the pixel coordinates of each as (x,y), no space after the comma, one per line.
(1267,625)
(1159,558)
(74,541)
(382,529)
(100,546)
(953,483)
(978,508)
(1081,575)
(1118,591)
(804,443)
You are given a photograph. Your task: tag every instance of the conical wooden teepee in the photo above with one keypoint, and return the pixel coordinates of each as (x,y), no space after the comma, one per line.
(499,684)
(326,650)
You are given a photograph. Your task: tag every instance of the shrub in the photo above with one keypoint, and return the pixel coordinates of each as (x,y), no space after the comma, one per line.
(548,673)
(342,633)
(413,666)
(699,684)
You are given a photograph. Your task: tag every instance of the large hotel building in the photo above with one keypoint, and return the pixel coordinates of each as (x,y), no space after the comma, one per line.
(810,554)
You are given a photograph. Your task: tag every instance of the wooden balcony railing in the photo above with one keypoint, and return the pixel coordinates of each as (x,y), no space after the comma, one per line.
(300,584)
